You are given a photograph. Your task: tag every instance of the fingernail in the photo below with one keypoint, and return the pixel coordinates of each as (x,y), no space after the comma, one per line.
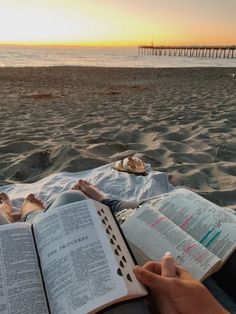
(137,275)
(167,254)
(136,270)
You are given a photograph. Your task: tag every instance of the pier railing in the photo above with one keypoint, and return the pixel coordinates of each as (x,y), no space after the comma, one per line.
(190,51)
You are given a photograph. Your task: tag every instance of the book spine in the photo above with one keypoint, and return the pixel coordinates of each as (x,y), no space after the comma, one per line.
(39,263)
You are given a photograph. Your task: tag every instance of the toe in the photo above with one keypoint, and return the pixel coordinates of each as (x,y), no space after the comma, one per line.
(40,203)
(76,186)
(30,197)
(83,185)
(4,197)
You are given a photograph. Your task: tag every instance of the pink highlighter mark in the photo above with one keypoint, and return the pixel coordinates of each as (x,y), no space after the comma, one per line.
(189,248)
(186,222)
(201,256)
(156,222)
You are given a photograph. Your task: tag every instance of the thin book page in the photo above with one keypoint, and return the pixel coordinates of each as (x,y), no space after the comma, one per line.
(78,265)
(153,234)
(209,224)
(21,288)
(121,251)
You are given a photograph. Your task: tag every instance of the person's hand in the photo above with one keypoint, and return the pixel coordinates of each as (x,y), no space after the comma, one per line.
(181,294)
(159,299)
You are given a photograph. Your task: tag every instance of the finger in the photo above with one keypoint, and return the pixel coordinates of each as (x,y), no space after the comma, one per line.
(154,267)
(168,265)
(183,273)
(150,279)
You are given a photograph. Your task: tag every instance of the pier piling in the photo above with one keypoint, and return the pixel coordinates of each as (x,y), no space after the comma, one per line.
(190,51)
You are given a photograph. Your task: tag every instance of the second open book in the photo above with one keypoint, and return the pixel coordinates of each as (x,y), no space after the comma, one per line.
(200,235)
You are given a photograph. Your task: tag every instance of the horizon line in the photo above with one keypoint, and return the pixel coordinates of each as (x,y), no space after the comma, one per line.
(77,45)
(67,45)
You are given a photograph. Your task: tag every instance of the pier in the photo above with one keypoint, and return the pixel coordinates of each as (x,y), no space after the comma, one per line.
(190,51)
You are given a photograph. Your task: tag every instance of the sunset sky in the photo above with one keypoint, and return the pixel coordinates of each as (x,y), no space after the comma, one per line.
(118,22)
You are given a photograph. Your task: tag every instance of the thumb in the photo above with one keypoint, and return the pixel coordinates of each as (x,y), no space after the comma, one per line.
(150,279)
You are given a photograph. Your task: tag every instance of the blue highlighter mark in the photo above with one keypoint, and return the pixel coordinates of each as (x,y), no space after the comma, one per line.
(217,234)
(204,238)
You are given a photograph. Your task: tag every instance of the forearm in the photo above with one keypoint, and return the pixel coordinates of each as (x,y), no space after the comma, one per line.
(212,305)
(202,301)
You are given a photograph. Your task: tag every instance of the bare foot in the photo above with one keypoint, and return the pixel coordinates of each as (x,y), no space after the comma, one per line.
(6,206)
(175,180)
(30,204)
(89,189)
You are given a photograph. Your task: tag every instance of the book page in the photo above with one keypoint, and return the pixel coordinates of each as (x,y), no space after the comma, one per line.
(21,286)
(153,234)
(78,265)
(212,226)
(121,251)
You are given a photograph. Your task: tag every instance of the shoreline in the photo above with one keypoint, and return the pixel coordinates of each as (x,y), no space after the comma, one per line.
(118,67)
(70,118)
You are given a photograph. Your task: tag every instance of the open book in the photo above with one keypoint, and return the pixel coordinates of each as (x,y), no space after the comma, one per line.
(73,259)
(199,234)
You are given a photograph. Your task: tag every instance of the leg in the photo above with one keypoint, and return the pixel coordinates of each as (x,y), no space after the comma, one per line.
(117,206)
(3,220)
(94,193)
(30,208)
(68,197)
(5,209)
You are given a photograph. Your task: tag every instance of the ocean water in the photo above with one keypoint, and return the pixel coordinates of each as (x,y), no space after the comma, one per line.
(100,57)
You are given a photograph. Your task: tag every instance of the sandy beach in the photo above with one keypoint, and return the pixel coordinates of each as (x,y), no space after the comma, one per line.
(181,121)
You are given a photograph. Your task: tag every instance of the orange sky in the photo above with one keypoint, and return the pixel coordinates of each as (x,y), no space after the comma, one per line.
(117,22)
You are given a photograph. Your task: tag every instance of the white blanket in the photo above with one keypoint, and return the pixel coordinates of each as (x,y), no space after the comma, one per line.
(117,185)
